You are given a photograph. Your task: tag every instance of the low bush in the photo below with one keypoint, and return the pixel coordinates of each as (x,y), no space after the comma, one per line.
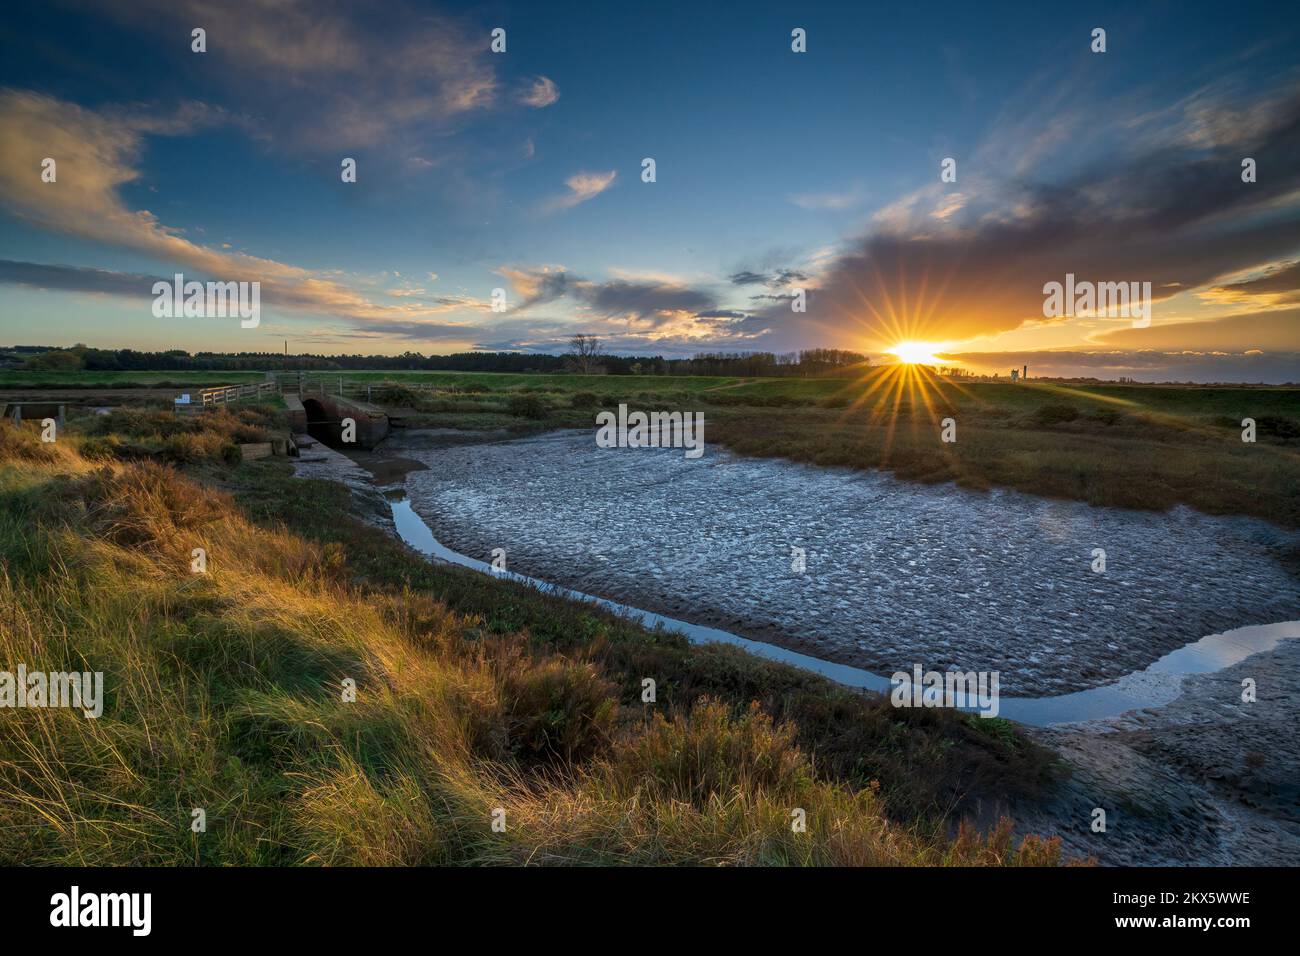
(527,406)
(1055,413)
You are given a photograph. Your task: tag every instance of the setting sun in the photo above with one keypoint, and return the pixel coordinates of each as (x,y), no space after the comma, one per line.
(916,353)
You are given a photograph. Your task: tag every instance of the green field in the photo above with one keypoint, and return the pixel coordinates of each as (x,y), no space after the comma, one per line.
(1136,446)
(1172,399)
(12,378)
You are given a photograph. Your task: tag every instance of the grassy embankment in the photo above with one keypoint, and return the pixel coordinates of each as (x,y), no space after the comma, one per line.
(1135,446)
(1132,446)
(223,692)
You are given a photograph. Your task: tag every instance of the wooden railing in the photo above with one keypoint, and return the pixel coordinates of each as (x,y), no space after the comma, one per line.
(335,383)
(368,389)
(365,389)
(225,394)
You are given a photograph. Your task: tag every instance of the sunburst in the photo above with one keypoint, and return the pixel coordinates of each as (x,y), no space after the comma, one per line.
(916,353)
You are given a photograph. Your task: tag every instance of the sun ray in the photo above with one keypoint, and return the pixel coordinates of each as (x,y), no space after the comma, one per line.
(911,352)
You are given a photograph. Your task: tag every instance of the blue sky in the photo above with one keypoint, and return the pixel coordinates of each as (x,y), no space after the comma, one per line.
(775,171)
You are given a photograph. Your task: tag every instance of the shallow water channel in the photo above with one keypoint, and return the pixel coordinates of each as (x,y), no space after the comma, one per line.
(1152,686)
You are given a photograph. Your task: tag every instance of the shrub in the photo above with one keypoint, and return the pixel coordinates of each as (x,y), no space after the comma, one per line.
(1106,416)
(1055,413)
(710,753)
(526,406)
(584,399)
(105,448)
(208,437)
(1275,426)
(558,708)
(23,444)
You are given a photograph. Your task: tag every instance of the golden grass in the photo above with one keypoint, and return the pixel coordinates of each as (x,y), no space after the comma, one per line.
(224,691)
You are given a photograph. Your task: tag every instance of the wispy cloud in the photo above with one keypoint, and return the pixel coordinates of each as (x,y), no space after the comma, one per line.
(540,93)
(776,279)
(829,201)
(582,186)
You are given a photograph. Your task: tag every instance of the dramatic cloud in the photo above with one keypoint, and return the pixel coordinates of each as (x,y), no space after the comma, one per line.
(638,314)
(337,77)
(1274,285)
(644,300)
(1185,365)
(1168,208)
(96,154)
(625,298)
(537,286)
(37,275)
(1277,330)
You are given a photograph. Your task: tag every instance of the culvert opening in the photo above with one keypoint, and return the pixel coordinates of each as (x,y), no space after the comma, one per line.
(322,424)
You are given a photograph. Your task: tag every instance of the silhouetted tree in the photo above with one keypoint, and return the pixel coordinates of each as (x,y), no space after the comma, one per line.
(585,350)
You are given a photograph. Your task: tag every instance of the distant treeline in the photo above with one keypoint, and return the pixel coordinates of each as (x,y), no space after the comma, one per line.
(805,363)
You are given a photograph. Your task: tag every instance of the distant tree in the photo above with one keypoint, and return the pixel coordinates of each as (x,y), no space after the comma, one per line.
(55,361)
(586,348)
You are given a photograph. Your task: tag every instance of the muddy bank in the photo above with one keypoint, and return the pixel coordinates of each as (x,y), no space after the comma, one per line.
(368,502)
(896,574)
(1202,778)
(371,474)
(1208,779)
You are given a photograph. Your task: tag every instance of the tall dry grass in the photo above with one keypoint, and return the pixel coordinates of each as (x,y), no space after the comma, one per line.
(225,691)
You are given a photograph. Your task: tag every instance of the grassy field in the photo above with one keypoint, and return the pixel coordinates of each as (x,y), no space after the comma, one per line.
(1136,446)
(16,378)
(474,696)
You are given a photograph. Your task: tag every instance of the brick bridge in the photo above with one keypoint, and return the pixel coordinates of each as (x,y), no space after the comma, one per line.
(321,415)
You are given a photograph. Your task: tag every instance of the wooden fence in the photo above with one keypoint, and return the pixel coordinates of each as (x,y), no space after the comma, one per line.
(226,394)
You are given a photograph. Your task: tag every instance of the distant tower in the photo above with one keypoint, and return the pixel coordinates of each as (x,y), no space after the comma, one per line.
(1024,372)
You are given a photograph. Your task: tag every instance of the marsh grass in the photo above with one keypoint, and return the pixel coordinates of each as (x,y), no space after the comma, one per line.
(1129,446)
(224,692)
(162,435)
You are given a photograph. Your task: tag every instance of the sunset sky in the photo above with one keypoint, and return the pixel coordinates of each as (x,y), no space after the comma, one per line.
(775,170)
